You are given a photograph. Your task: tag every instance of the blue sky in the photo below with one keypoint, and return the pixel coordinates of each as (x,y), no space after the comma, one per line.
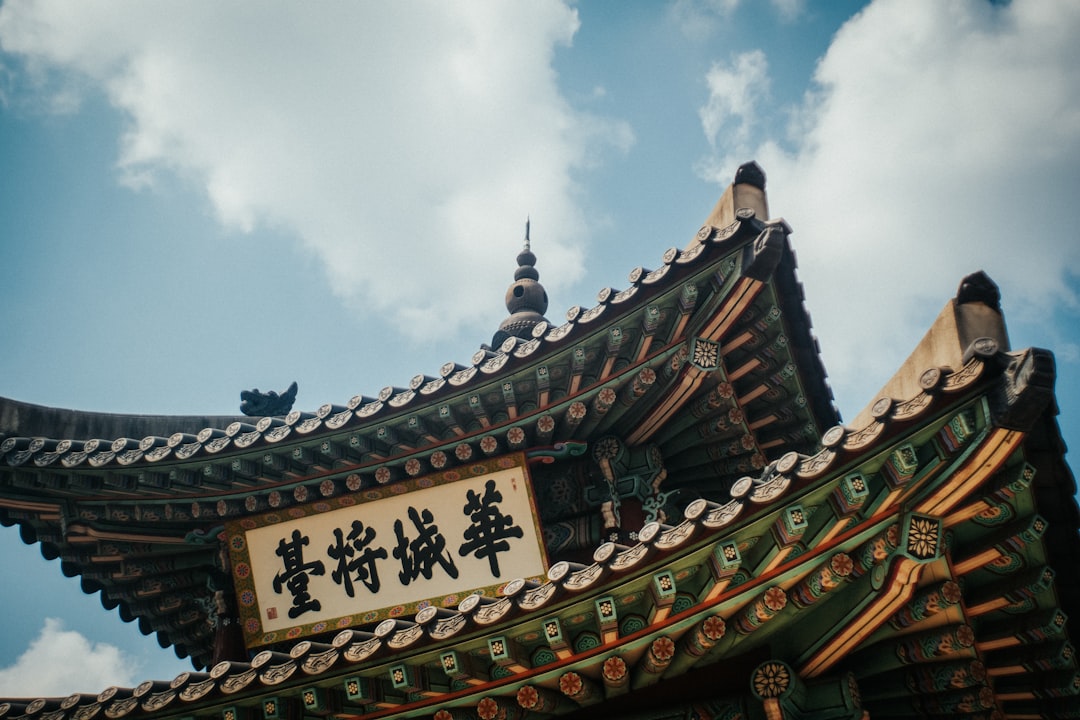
(198,198)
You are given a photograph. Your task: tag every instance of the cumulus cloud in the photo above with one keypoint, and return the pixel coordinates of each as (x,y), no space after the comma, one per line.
(941,138)
(56,656)
(399,142)
(735,91)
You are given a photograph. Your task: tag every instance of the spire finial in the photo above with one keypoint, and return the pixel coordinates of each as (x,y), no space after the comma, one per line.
(526,299)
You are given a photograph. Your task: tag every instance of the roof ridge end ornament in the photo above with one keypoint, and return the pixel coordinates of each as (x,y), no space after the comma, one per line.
(750,173)
(267,404)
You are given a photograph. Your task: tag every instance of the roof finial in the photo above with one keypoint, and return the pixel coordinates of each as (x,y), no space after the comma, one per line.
(526,299)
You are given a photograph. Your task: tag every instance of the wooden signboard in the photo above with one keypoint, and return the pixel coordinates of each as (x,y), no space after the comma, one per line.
(385,551)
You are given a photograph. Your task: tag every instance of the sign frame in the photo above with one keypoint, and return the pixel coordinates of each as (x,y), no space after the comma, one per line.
(248,542)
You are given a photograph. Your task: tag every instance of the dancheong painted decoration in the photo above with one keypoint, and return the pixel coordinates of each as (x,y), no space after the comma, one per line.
(650,509)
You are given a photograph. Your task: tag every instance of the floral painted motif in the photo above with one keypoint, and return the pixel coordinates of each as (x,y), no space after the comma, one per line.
(577,411)
(528,697)
(775,599)
(713,627)
(487,709)
(663,648)
(771,680)
(614,669)
(571,684)
(842,564)
(923,537)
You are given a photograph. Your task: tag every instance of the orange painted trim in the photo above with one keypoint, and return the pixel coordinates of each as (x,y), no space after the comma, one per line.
(30,506)
(975,562)
(900,587)
(744,293)
(998,446)
(687,386)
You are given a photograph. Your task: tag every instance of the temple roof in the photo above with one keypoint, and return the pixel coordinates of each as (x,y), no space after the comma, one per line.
(903,565)
(130,504)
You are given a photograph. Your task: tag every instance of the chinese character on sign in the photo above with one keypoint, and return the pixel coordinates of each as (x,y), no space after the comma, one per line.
(486,537)
(295,574)
(357,557)
(420,555)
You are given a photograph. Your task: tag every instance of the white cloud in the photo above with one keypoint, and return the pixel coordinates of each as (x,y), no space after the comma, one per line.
(735,90)
(56,656)
(944,138)
(404,144)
